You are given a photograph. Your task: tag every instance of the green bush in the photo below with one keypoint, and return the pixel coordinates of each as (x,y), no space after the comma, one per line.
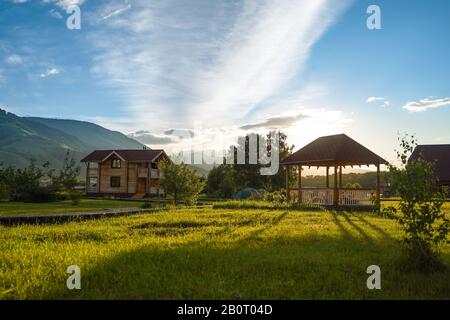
(4,192)
(275,196)
(62,195)
(420,215)
(75,198)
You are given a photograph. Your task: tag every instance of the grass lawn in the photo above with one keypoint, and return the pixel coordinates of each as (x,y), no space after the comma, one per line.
(14,208)
(212,254)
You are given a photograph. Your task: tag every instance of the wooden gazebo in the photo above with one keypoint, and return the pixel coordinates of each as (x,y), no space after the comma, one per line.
(337,152)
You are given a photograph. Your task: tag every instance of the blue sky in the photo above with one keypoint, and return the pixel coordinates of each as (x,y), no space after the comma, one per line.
(308,67)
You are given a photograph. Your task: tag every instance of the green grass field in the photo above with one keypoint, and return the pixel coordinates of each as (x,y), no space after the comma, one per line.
(17,208)
(213,254)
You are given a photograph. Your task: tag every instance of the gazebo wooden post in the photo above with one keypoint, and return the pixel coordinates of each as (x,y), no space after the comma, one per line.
(336,192)
(328,183)
(340,177)
(378,184)
(299,184)
(288,191)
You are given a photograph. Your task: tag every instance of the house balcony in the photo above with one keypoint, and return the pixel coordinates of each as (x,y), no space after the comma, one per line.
(155,173)
(142,172)
(93,172)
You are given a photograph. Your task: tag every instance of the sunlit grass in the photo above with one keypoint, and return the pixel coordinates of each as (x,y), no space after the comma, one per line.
(17,208)
(206,253)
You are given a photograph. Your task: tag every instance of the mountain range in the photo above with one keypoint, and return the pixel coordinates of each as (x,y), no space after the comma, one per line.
(23,138)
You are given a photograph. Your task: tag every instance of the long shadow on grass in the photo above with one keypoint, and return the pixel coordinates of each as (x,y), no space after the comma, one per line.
(296,268)
(356,227)
(375,227)
(292,267)
(345,233)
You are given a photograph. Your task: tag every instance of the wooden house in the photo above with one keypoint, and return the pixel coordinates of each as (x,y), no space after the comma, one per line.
(124,173)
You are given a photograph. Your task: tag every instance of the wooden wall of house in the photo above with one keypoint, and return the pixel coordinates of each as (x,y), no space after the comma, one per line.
(132,177)
(106,172)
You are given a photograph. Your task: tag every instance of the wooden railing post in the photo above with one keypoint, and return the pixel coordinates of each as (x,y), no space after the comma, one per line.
(288,191)
(336,192)
(299,184)
(378,184)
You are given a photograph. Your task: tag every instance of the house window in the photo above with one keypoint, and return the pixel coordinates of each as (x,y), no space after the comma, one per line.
(154,165)
(115,182)
(92,183)
(115,163)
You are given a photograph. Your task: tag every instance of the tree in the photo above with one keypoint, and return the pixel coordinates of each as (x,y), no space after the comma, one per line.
(221,181)
(29,184)
(421,218)
(248,175)
(68,174)
(181,182)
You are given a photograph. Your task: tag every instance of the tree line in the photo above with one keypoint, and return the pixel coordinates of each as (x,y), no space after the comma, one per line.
(36,183)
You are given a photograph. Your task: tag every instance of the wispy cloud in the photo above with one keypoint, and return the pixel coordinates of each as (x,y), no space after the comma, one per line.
(275,122)
(64,4)
(116,12)
(50,72)
(385,104)
(425,104)
(55,14)
(149,138)
(212,61)
(373,99)
(13,59)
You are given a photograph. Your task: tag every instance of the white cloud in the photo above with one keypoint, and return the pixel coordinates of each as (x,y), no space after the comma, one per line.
(13,59)
(50,72)
(426,104)
(177,63)
(55,14)
(277,122)
(385,104)
(116,12)
(373,99)
(64,4)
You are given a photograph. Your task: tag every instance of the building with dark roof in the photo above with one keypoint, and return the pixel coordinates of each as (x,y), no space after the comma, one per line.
(124,173)
(439,155)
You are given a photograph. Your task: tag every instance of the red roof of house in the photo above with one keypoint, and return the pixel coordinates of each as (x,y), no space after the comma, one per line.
(439,155)
(332,150)
(127,155)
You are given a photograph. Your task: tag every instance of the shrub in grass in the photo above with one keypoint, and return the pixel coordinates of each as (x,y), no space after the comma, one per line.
(275,196)
(146,205)
(420,211)
(75,198)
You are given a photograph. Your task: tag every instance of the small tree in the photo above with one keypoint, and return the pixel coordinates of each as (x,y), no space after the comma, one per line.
(179,181)
(68,174)
(425,225)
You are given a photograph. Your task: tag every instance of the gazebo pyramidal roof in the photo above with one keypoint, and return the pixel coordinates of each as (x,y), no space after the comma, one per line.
(335,150)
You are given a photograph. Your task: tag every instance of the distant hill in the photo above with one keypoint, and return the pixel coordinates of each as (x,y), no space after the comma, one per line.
(22,138)
(92,135)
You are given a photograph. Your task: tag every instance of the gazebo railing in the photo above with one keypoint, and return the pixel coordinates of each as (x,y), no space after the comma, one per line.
(356,197)
(325,196)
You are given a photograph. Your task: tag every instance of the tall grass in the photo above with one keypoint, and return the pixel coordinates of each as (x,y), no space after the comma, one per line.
(264,205)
